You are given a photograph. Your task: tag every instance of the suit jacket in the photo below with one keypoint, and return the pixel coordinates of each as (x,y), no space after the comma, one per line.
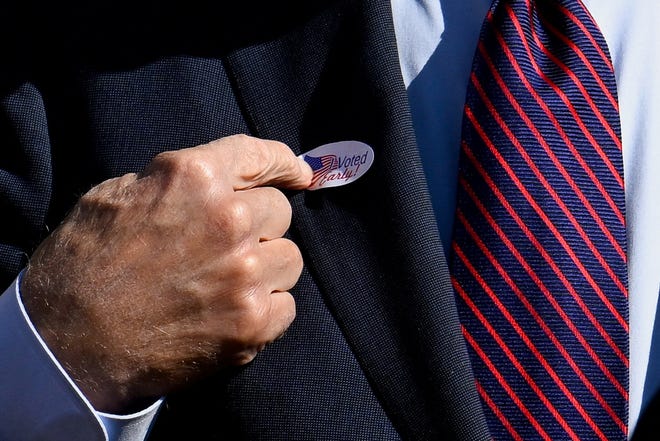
(376,350)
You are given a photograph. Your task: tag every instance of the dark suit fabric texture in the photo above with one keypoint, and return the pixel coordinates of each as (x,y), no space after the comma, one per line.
(376,350)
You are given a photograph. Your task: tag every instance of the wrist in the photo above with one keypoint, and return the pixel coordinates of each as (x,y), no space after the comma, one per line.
(78,350)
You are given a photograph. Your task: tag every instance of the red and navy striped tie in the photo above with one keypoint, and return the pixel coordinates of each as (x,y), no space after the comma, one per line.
(539,248)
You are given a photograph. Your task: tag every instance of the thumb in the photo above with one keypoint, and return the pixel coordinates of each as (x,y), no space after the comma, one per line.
(255,162)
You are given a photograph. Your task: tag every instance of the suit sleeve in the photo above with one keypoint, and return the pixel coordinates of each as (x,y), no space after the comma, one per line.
(25,175)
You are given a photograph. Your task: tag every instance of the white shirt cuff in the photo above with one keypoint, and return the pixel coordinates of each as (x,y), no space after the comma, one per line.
(38,398)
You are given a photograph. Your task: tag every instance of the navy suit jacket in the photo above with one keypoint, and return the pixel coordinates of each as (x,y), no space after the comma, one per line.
(376,350)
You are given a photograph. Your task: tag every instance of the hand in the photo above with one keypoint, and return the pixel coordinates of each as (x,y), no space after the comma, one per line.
(157,279)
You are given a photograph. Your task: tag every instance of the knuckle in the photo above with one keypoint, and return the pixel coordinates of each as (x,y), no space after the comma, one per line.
(92,196)
(165,162)
(239,138)
(251,322)
(239,212)
(246,271)
(109,195)
(185,164)
(198,169)
(235,219)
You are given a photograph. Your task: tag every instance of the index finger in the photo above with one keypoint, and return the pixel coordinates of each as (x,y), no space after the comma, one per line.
(254,162)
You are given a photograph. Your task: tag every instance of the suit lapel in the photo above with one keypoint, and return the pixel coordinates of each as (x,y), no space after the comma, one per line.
(372,246)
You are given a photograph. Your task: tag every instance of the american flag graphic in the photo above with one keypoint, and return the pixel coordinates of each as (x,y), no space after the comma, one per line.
(321,165)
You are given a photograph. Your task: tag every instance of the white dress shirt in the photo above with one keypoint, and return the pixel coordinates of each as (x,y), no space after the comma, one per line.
(436,41)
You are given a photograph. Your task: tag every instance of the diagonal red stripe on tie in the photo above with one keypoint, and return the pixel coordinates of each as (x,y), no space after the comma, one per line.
(553,158)
(516,363)
(516,65)
(500,415)
(537,353)
(542,288)
(580,24)
(523,335)
(606,125)
(504,384)
(585,273)
(568,71)
(614,173)
(548,259)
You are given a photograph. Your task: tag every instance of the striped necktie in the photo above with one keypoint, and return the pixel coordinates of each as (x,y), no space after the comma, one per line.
(539,252)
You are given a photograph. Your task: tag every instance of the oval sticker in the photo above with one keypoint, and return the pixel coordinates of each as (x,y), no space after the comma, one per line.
(338,163)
